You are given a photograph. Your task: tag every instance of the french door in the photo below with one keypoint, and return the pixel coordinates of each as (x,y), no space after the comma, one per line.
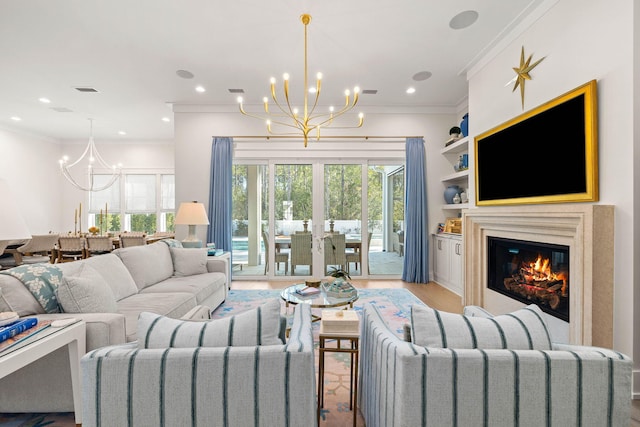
(302,218)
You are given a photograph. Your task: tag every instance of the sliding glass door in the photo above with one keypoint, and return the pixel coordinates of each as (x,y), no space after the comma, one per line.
(325,215)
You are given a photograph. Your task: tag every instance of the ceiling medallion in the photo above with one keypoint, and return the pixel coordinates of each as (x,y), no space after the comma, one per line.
(522,73)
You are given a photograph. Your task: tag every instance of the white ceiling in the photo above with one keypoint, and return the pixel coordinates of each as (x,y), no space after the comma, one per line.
(130,51)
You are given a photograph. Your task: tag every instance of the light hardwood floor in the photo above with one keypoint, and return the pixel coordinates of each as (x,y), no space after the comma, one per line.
(431,294)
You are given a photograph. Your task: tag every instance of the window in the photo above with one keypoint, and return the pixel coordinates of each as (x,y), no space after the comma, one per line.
(138,202)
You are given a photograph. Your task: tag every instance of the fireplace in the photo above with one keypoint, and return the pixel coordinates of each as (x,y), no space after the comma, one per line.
(587,231)
(530,272)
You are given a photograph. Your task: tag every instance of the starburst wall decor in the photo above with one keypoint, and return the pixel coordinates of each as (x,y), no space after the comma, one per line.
(522,73)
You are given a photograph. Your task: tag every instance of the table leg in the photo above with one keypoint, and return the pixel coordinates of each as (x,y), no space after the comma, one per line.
(320,377)
(76,350)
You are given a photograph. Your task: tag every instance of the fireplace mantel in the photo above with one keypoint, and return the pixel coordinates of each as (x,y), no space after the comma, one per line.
(586,229)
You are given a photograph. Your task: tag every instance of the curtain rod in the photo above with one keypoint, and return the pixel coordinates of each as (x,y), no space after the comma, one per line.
(321,138)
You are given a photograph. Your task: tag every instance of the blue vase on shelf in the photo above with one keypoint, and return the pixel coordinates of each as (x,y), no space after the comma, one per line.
(464,125)
(450,192)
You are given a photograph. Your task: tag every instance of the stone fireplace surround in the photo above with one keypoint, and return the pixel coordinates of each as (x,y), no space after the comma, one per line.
(586,229)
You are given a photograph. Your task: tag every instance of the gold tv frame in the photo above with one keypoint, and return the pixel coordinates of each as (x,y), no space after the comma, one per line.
(589,90)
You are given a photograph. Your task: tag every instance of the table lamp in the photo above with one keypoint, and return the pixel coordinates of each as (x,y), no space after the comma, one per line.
(192,214)
(12,226)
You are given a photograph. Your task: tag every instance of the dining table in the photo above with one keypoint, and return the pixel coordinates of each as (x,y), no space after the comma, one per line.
(283,241)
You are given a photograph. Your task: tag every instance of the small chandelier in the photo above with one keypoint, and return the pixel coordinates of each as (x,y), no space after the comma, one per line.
(93,160)
(289,116)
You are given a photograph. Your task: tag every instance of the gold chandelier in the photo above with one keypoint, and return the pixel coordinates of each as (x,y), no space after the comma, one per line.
(289,116)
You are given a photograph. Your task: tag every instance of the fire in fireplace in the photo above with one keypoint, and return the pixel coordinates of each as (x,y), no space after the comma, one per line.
(531,272)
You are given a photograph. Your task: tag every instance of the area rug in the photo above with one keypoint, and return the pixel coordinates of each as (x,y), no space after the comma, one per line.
(394,304)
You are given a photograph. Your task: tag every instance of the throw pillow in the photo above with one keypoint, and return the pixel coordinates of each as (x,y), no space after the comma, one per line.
(86,292)
(524,329)
(189,261)
(258,326)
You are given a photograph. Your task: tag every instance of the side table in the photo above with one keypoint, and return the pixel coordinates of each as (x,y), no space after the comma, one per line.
(353,339)
(45,342)
(226,258)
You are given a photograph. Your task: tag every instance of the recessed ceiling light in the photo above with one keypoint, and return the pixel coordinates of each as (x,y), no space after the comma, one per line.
(87,89)
(236,90)
(44,100)
(369,91)
(122,132)
(184,74)
(16,118)
(463,19)
(166,119)
(200,89)
(422,75)
(411,90)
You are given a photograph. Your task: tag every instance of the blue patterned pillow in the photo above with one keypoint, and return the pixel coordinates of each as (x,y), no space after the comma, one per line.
(42,281)
(172,243)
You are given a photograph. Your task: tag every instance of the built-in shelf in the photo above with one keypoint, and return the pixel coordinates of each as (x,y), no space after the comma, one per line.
(458,147)
(455,206)
(457,176)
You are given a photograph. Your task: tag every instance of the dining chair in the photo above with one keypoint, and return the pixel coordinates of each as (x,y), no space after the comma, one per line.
(130,239)
(70,248)
(301,246)
(335,251)
(39,248)
(356,256)
(98,245)
(281,257)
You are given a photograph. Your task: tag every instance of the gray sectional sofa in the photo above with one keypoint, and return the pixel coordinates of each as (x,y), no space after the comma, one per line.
(108,292)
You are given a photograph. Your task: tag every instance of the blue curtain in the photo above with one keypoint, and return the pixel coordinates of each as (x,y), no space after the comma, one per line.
(219,230)
(416,233)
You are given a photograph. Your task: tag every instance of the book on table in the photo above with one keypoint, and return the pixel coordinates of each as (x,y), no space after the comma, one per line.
(25,337)
(307,291)
(19,326)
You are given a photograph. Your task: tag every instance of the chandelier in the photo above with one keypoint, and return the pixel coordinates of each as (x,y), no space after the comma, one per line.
(91,160)
(306,122)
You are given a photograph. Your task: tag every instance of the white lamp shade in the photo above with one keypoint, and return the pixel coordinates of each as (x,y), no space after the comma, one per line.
(191,213)
(12,226)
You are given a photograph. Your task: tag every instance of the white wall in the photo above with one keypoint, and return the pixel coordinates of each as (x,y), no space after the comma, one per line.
(580,41)
(194,132)
(28,163)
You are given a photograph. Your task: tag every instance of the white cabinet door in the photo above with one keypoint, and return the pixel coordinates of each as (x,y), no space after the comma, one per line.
(441,254)
(447,261)
(455,255)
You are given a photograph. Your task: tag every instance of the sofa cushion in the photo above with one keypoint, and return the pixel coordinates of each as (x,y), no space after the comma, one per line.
(201,285)
(16,297)
(258,326)
(520,330)
(86,292)
(148,264)
(189,261)
(174,304)
(115,274)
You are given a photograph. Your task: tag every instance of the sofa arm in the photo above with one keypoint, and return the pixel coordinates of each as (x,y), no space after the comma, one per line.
(102,328)
(176,386)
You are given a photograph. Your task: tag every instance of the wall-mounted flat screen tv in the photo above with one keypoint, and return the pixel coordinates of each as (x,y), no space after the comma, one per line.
(546,155)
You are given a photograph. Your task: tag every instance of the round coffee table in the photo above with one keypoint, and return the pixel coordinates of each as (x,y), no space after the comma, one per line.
(320,300)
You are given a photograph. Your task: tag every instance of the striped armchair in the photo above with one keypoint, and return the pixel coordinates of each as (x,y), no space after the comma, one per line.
(232,386)
(403,384)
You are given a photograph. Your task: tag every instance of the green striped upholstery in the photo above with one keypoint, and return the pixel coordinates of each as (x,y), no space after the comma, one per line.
(402,384)
(257,326)
(524,329)
(218,386)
